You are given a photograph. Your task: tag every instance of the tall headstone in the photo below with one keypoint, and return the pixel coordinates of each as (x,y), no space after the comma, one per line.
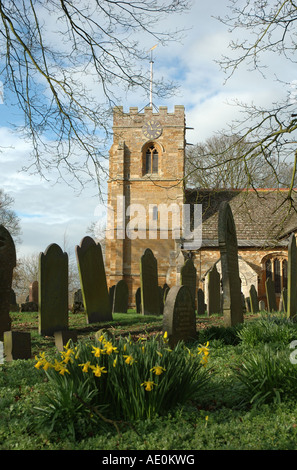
(150,303)
(270,295)
(188,277)
(33,292)
(120,297)
(214,291)
(232,303)
(254,302)
(200,302)
(7,264)
(53,290)
(179,320)
(138,300)
(93,281)
(292,278)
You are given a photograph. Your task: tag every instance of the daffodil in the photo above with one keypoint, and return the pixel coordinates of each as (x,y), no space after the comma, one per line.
(165,337)
(129,359)
(115,361)
(41,360)
(98,371)
(158,370)
(109,348)
(203,349)
(148,384)
(97,351)
(85,366)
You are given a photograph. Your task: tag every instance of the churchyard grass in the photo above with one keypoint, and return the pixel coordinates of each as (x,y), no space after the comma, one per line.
(247,402)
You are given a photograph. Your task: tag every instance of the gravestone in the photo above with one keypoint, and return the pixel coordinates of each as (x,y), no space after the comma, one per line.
(62,338)
(150,304)
(14,306)
(161,299)
(214,291)
(254,303)
(78,303)
(200,302)
(247,304)
(138,300)
(33,292)
(7,264)
(111,295)
(232,303)
(188,277)
(179,320)
(292,278)
(120,297)
(270,295)
(16,345)
(262,306)
(53,290)
(93,281)
(284,299)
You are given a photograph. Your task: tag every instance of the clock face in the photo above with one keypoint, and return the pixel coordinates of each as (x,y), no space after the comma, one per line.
(152,129)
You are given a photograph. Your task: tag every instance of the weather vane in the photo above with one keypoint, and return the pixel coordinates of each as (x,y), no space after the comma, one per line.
(151,77)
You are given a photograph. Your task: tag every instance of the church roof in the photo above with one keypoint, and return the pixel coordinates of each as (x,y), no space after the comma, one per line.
(263,217)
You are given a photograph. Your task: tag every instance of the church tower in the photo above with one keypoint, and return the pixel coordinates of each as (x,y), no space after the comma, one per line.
(146,174)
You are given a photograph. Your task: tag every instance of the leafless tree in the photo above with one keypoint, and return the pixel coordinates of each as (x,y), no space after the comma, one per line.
(67,63)
(259,28)
(8,217)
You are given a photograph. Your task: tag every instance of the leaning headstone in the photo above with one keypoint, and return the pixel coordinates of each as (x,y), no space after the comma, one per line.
(232,303)
(150,303)
(63,337)
(93,281)
(33,292)
(200,302)
(179,320)
(270,295)
(254,303)
(120,297)
(7,264)
(188,277)
(138,300)
(17,345)
(292,278)
(214,291)
(53,290)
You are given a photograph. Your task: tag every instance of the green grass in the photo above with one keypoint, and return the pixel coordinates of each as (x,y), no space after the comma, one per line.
(247,404)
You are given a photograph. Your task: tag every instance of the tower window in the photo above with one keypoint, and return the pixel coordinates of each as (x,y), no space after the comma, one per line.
(151,160)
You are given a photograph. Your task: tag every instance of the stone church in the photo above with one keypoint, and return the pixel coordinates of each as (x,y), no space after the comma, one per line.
(146,174)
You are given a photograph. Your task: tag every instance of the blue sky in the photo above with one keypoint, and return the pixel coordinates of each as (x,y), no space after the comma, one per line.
(53,212)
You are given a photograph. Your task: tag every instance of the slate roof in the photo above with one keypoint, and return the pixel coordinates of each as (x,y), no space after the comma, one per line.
(263,217)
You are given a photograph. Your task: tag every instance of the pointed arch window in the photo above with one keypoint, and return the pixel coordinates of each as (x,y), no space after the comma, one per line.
(151,160)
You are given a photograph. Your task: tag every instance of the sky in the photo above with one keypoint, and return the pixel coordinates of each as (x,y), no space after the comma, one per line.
(52,212)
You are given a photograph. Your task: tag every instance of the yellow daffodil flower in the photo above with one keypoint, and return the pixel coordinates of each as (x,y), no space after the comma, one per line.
(97,351)
(129,360)
(109,348)
(158,370)
(98,371)
(204,349)
(148,385)
(86,366)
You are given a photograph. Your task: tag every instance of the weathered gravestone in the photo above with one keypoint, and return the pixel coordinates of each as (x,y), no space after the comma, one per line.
(7,264)
(232,303)
(247,301)
(17,345)
(33,292)
(213,291)
(179,320)
(254,302)
(63,337)
(78,303)
(188,277)
(270,295)
(93,281)
(53,290)
(292,278)
(200,302)
(138,300)
(150,303)
(111,295)
(262,306)
(120,297)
